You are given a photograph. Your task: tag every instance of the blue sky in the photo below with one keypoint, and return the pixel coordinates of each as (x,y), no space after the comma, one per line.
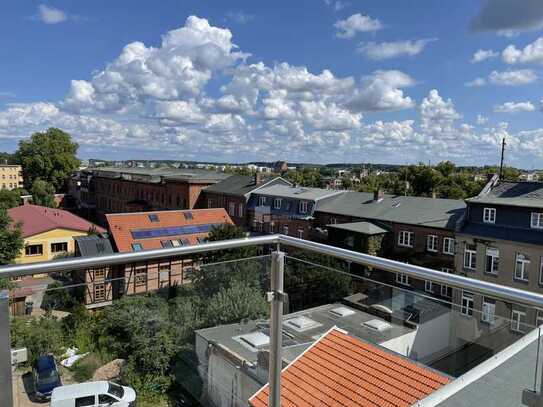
(319,81)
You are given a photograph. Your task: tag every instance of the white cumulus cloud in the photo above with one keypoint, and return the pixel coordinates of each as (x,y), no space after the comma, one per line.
(482,55)
(512,77)
(386,50)
(514,107)
(356,23)
(531,53)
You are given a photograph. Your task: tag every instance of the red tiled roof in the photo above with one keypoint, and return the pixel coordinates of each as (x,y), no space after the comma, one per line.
(339,370)
(38,219)
(122,224)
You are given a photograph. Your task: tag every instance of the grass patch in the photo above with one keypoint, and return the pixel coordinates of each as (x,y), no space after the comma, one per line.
(84,368)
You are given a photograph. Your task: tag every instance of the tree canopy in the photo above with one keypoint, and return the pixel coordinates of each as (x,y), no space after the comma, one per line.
(43,193)
(11,241)
(49,156)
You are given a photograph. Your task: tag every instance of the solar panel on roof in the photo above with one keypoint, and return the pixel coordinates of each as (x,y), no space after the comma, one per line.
(170,231)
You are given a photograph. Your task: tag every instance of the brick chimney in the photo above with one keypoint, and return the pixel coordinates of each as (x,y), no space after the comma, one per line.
(378,195)
(258,178)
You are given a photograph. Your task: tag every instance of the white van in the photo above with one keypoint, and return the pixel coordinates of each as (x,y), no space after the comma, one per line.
(93,394)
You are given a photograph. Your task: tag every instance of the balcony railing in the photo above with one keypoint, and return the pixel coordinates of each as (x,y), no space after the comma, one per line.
(449,331)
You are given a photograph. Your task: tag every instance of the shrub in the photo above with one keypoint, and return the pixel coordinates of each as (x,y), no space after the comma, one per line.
(84,368)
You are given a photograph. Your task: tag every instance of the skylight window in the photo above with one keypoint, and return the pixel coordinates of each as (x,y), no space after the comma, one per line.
(377,325)
(188,215)
(256,340)
(302,323)
(153,217)
(342,312)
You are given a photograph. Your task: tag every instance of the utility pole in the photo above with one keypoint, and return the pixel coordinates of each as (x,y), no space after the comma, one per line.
(501,162)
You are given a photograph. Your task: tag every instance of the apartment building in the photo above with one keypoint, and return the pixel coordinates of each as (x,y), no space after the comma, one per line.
(120,190)
(501,241)
(234,192)
(286,209)
(11,176)
(415,230)
(154,230)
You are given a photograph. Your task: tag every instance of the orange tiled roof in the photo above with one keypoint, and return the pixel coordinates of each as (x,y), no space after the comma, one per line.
(122,224)
(339,370)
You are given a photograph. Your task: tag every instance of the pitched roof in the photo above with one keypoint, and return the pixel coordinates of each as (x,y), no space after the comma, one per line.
(366,228)
(38,219)
(93,245)
(411,210)
(288,191)
(242,184)
(150,229)
(529,194)
(339,370)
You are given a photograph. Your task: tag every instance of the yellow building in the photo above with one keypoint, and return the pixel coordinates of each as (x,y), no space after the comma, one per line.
(11,176)
(48,233)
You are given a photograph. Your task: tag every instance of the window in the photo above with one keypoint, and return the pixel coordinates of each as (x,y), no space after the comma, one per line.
(34,250)
(470,256)
(136,247)
(166,243)
(140,277)
(448,245)
(277,203)
(537,220)
(210,203)
(201,240)
(153,217)
(467,303)
(489,311)
(522,265)
(188,215)
(445,290)
(240,210)
(333,221)
(489,215)
(428,286)
(232,208)
(405,238)
(262,201)
(518,321)
(61,247)
(431,243)
(300,233)
(84,401)
(100,274)
(285,229)
(106,399)
(539,318)
(492,260)
(99,292)
(402,279)
(303,206)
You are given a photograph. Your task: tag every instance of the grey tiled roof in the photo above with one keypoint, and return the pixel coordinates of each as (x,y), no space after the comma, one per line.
(240,185)
(530,236)
(438,213)
(528,194)
(304,193)
(366,228)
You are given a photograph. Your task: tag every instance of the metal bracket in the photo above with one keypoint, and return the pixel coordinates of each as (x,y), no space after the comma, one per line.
(276,296)
(531,398)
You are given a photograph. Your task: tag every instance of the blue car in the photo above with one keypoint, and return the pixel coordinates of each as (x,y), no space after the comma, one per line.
(46,376)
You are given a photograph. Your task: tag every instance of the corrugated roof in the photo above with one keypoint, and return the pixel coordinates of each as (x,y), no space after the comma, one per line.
(432,212)
(121,226)
(38,219)
(366,228)
(528,194)
(339,370)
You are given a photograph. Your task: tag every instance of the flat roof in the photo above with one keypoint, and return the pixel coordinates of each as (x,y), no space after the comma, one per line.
(156,174)
(285,191)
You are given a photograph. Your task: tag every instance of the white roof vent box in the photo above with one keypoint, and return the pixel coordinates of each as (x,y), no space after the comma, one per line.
(256,340)
(301,323)
(377,325)
(342,312)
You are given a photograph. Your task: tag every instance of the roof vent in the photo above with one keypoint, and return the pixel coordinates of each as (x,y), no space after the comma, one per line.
(342,312)
(377,325)
(256,339)
(395,204)
(301,323)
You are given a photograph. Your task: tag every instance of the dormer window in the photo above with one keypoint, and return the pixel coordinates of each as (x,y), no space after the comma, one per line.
(537,220)
(303,206)
(489,215)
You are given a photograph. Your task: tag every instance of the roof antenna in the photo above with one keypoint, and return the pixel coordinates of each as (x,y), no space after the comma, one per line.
(503,154)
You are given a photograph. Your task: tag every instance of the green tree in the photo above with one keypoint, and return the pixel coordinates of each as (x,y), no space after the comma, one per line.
(43,193)
(49,156)
(9,199)
(446,168)
(11,241)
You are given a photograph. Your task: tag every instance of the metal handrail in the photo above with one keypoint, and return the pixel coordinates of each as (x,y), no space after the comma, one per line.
(483,287)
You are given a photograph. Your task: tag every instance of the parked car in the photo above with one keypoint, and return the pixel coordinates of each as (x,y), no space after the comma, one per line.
(46,377)
(93,394)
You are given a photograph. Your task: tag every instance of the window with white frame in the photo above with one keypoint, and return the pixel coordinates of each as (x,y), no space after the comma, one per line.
(522,266)
(277,203)
(405,238)
(402,279)
(303,206)
(240,210)
(489,311)
(431,243)
(428,286)
(210,203)
(300,233)
(467,303)
(470,256)
(285,229)
(537,220)
(492,262)
(262,201)
(518,321)
(448,245)
(489,215)
(232,208)
(333,221)
(445,290)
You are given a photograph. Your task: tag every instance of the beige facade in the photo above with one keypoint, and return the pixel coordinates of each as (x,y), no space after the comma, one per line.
(11,176)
